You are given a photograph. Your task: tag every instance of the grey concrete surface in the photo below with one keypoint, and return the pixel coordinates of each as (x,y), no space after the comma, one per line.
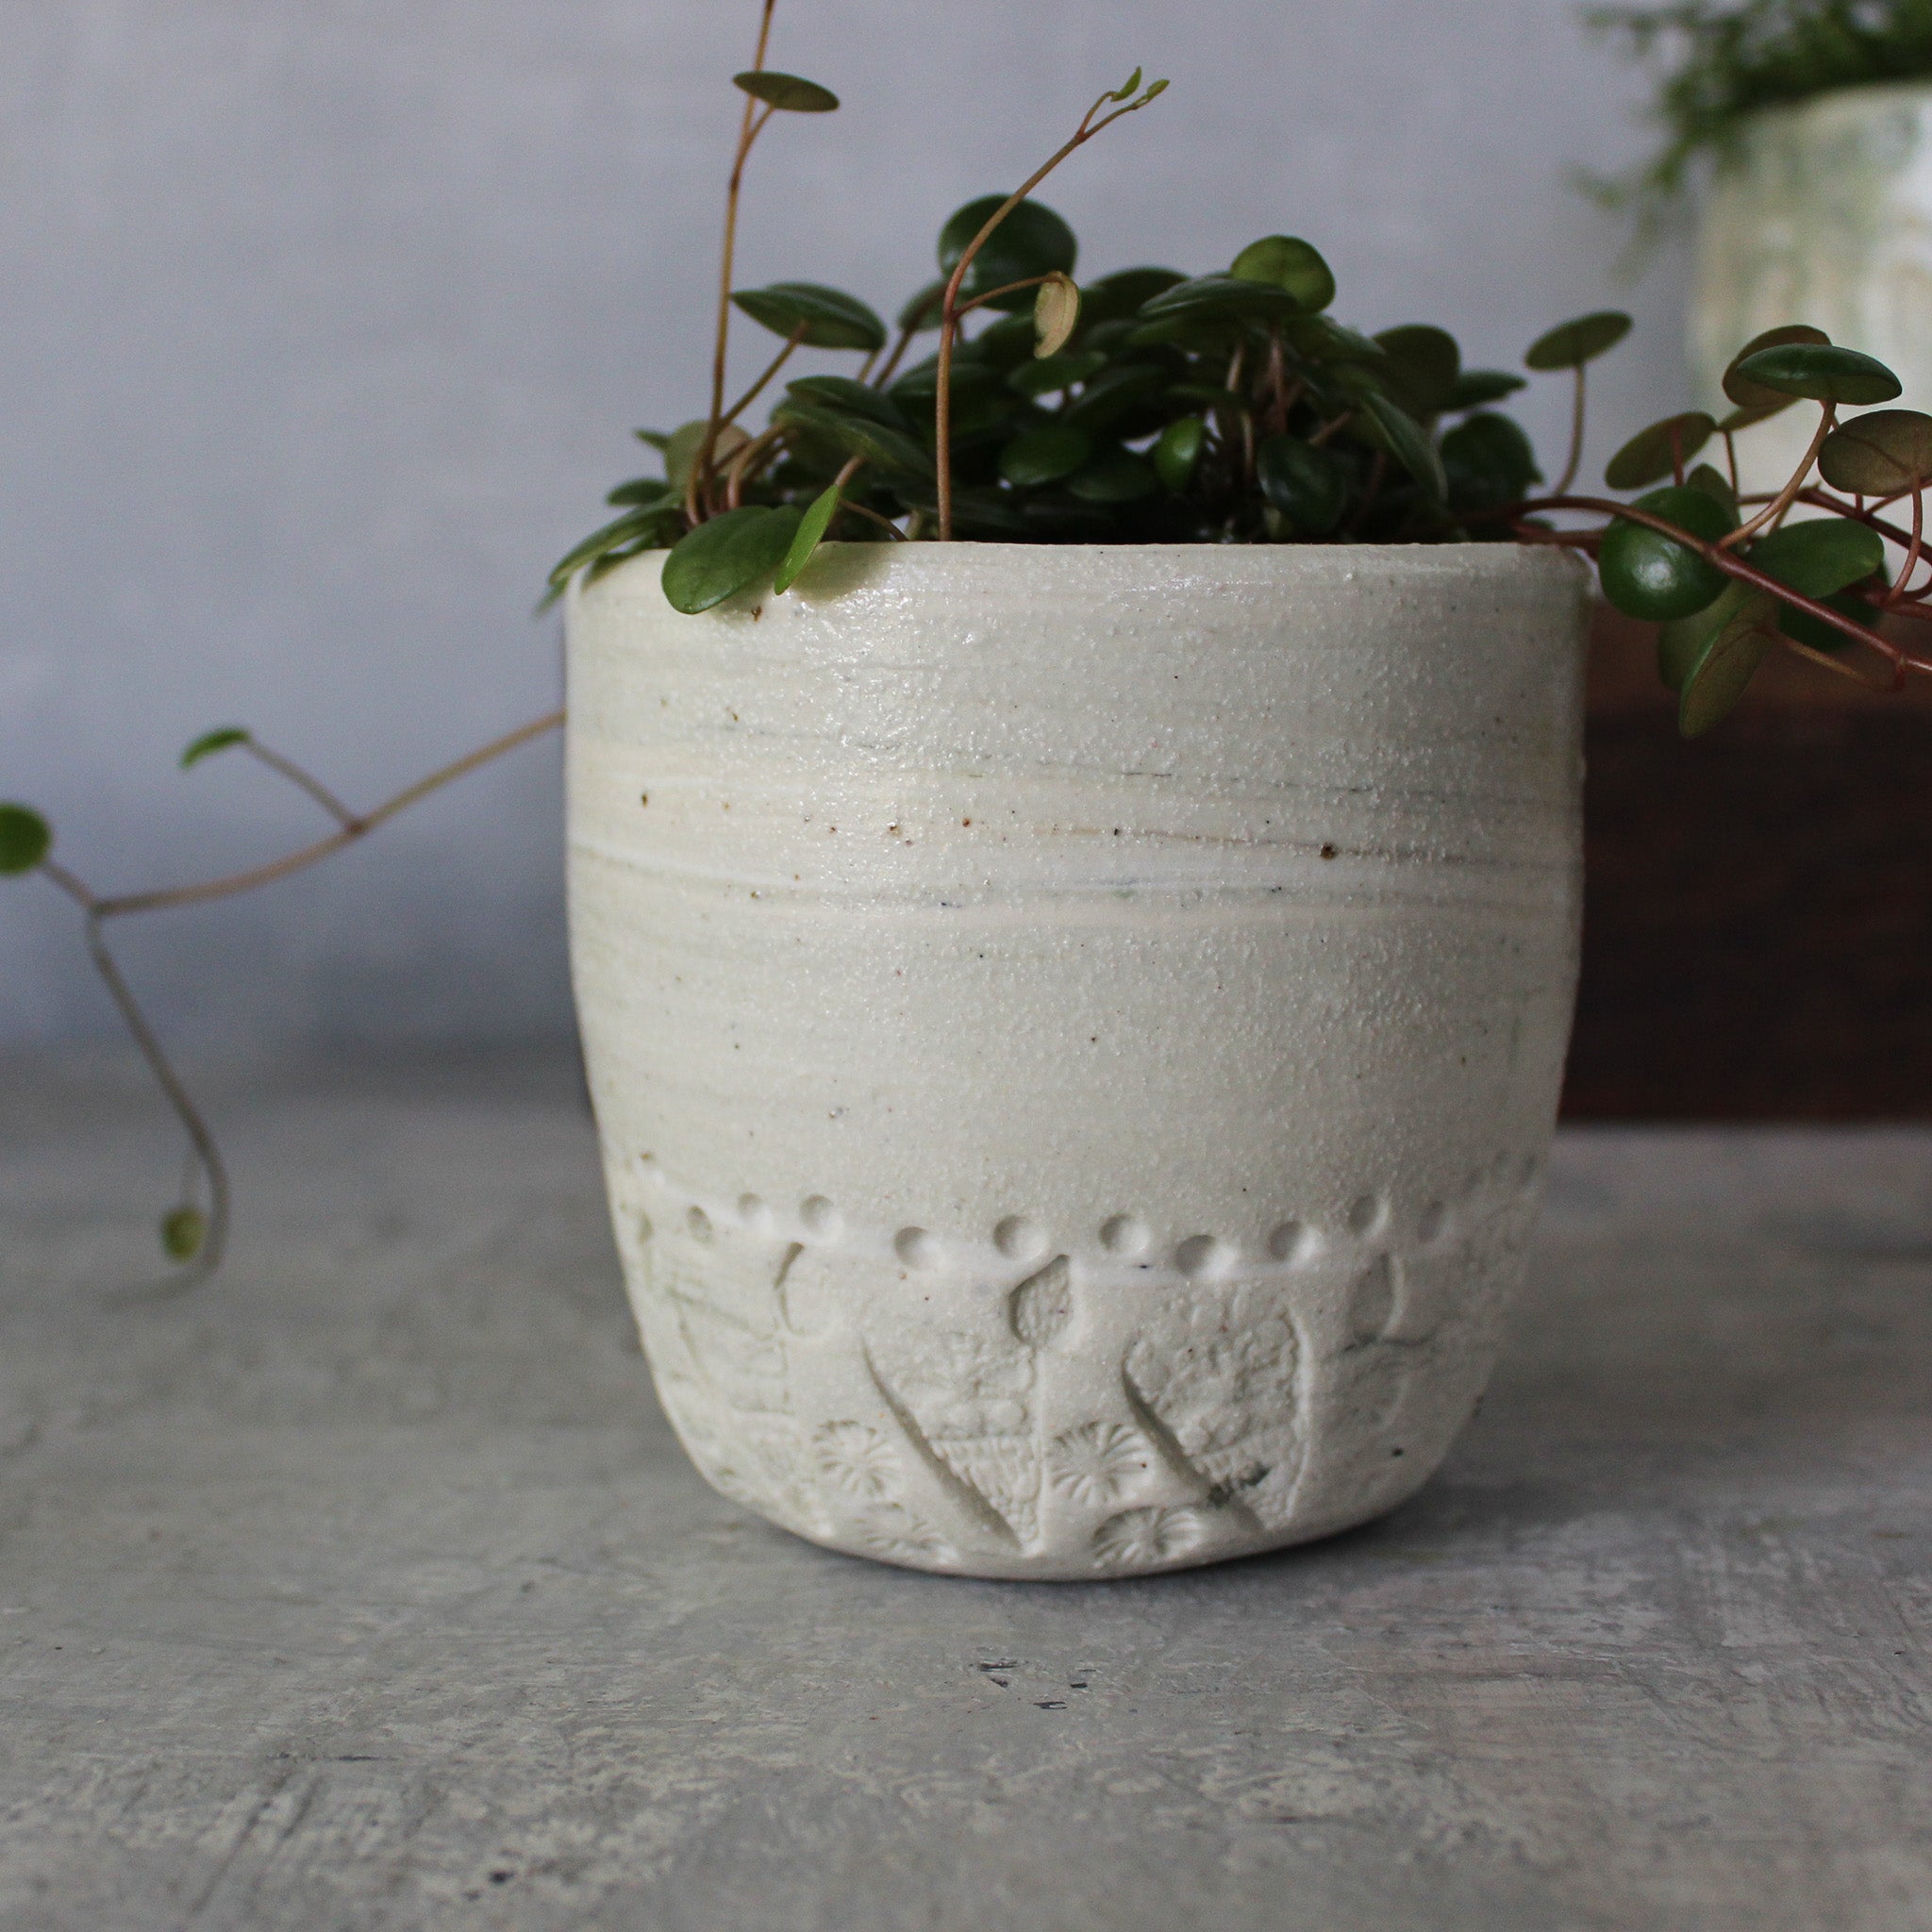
(326,324)
(365,1588)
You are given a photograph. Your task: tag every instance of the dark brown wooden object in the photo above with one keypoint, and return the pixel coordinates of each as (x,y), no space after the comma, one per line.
(1757,916)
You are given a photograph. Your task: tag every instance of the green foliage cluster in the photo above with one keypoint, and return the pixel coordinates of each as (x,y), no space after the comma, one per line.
(1725,590)
(1723,62)
(1152,407)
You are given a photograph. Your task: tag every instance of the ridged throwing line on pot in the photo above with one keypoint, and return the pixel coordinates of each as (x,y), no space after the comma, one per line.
(1096,1013)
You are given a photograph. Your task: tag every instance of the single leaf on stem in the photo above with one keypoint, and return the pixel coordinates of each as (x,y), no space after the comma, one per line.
(820,317)
(184,1233)
(727,555)
(807,537)
(1756,403)
(1424,365)
(1681,640)
(1285,262)
(1885,453)
(1822,373)
(1820,556)
(1407,442)
(26,838)
(1177,453)
(221,739)
(1476,387)
(1056,314)
(786,92)
(1570,344)
(1045,455)
(1032,240)
(1727,663)
(1659,451)
(844,394)
(1115,477)
(877,441)
(1648,574)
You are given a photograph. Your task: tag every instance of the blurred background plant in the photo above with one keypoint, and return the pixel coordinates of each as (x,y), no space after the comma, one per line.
(1718,65)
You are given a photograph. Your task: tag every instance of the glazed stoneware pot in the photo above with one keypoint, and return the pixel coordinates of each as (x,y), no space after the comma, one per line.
(1822,214)
(1076,1031)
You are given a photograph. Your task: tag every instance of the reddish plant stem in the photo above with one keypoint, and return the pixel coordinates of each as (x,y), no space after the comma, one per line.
(749,129)
(949,305)
(1731,564)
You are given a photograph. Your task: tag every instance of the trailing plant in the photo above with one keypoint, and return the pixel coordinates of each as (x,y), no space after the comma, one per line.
(1721,63)
(1151,407)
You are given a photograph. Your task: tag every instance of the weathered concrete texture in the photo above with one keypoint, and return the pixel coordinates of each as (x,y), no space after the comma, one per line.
(365,1588)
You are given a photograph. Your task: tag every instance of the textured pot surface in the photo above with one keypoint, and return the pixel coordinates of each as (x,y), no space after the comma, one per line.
(1823,216)
(1076,1031)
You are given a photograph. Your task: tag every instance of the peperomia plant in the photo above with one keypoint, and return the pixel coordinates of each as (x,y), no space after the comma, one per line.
(1150,406)
(1724,61)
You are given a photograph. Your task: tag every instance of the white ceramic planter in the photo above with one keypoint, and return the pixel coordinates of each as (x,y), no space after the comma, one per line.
(1075,1032)
(1824,215)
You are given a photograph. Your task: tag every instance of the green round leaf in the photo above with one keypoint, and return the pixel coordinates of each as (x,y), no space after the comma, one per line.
(727,555)
(1120,296)
(1489,463)
(1754,402)
(26,838)
(1820,636)
(1658,451)
(1178,452)
(787,92)
(1221,298)
(221,739)
(879,443)
(1115,394)
(1819,557)
(1726,664)
(1475,387)
(1309,486)
(1681,640)
(1285,262)
(1570,344)
(807,537)
(1052,374)
(1323,340)
(1406,442)
(831,317)
(641,492)
(682,445)
(1045,455)
(1423,365)
(1882,454)
(1648,574)
(1822,373)
(843,395)
(917,388)
(660,525)
(1119,477)
(1032,240)
(183,1233)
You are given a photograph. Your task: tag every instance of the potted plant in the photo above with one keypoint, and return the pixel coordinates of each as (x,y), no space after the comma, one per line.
(1809,121)
(1074,871)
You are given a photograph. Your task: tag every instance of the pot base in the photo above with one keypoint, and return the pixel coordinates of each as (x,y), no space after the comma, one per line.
(999,1409)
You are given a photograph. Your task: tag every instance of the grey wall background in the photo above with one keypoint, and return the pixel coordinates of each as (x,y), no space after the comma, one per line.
(324,323)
